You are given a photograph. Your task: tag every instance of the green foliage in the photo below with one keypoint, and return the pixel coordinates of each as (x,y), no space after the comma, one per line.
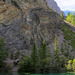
(43,51)
(39,62)
(11,55)
(65,50)
(62,16)
(17,54)
(71,18)
(34,55)
(35,63)
(56,42)
(70,65)
(25,66)
(56,51)
(55,11)
(51,8)
(73,65)
(3,54)
(69,35)
(30,64)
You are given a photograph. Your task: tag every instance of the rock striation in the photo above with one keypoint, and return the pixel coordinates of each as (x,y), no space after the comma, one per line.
(23,22)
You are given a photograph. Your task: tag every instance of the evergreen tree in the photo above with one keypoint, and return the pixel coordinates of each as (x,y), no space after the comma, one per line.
(62,16)
(68,14)
(43,51)
(73,18)
(56,51)
(69,17)
(34,57)
(55,11)
(51,7)
(3,54)
(73,65)
(44,60)
(17,54)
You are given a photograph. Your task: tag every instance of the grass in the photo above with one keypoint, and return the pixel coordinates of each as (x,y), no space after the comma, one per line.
(69,35)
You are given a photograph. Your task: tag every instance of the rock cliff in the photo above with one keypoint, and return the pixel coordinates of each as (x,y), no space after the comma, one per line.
(53,4)
(23,22)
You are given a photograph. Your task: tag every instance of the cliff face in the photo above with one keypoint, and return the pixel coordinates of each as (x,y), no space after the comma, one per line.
(24,22)
(53,4)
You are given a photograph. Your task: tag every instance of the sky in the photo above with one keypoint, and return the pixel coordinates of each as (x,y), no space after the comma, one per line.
(66,4)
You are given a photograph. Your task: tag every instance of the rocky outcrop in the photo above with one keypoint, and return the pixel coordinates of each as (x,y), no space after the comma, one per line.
(53,4)
(23,23)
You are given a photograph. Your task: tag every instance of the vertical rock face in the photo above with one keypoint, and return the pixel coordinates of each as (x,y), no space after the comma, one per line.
(53,4)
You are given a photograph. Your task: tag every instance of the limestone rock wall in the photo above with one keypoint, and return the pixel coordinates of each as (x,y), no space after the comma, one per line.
(25,23)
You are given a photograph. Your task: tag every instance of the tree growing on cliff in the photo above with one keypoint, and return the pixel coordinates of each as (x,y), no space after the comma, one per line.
(51,8)
(3,54)
(34,57)
(55,11)
(44,60)
(62,16)
(56,50)
(43,51)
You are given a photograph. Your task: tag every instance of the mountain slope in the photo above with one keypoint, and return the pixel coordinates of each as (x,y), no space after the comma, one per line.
(25,23)
(53,4)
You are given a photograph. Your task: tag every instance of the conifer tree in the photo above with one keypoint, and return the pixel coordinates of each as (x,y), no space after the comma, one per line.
(3,53)
(55,11)
(56,51)
(51,7)
(69,17)
(43,51)
(34,54)
(62,15)
(34,58)
(73,18)
(68,14)
(73,65)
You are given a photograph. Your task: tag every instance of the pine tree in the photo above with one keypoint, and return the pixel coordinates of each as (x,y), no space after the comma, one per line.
(68,14)
(51,8)
(56,51)
(69,17)
(3,53)
(34,57)
(55,11)
(62,15)
(43,51)
(73,18)
(34,54)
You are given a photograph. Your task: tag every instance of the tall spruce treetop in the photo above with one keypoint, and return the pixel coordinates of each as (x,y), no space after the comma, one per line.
(34,56)
(43,51)
(56,51)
